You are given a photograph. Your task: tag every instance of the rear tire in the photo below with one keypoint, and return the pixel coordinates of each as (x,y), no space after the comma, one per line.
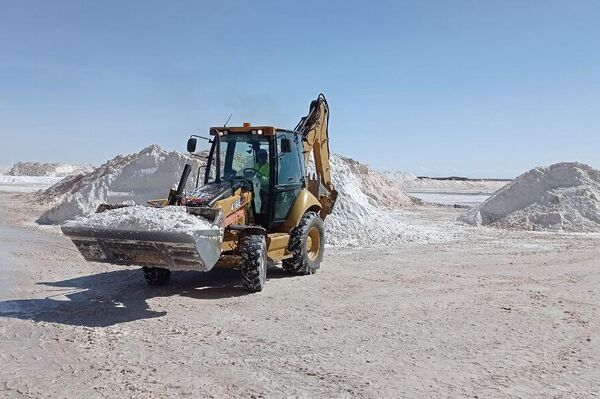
(156,276)
(307,243)
(254,262)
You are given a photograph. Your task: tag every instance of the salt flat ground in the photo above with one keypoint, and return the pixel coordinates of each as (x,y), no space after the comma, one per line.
(484,313)
(452,197)
(452,192)
(26,184)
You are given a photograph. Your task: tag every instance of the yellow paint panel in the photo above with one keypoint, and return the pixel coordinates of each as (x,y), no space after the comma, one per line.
(305,201)
(277,244)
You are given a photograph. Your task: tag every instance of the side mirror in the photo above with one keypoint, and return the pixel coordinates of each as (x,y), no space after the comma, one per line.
(286,145)
(191,144)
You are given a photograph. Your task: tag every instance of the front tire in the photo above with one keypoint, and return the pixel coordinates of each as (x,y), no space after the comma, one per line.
(254,262)
(156,276)
(307,243)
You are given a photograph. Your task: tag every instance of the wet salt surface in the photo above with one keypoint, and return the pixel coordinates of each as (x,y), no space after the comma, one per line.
(451,198)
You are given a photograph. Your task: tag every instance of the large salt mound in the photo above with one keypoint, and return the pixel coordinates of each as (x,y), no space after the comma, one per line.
(362,214)
(135,178)
(380,188)
(564,196)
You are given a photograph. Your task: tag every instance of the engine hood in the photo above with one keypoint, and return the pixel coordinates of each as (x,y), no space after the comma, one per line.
(208,194)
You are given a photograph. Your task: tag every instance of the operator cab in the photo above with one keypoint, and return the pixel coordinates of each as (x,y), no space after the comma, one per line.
(264,159)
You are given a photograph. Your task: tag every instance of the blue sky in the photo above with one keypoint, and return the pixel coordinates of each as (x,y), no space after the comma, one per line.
(475,88)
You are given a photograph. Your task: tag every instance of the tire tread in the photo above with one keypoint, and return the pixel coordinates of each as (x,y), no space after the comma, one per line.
(254,262)
(299,262)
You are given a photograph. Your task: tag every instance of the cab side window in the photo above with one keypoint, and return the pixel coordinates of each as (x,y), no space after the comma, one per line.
(290,174)
(290,167)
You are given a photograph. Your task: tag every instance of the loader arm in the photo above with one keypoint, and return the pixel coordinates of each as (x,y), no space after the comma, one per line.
(315,137)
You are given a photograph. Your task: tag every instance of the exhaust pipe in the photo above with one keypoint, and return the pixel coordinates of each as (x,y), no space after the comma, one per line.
(175,196)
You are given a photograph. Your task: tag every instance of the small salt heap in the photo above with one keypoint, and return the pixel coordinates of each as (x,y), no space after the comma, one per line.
(563,196)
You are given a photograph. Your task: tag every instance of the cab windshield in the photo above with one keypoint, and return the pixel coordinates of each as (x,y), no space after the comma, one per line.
(242,156)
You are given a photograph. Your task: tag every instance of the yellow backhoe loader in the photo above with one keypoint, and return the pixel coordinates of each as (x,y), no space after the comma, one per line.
(256,189)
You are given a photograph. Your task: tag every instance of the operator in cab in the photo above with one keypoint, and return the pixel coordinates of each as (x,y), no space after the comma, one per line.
(262,168)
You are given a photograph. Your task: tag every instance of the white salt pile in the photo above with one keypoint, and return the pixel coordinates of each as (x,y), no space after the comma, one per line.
(144,218)
(135,178)
(365,212)
(47,169)
(398,175)
(564,196)
(381,189)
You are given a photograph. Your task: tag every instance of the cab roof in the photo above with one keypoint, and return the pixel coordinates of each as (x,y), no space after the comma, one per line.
(264,130)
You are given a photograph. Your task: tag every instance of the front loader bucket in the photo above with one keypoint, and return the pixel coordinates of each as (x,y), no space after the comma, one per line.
(198,250)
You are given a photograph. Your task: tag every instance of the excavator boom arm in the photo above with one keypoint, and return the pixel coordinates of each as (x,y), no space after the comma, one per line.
(315,136)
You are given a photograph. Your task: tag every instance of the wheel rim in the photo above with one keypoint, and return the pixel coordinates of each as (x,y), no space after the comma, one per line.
(313,243)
